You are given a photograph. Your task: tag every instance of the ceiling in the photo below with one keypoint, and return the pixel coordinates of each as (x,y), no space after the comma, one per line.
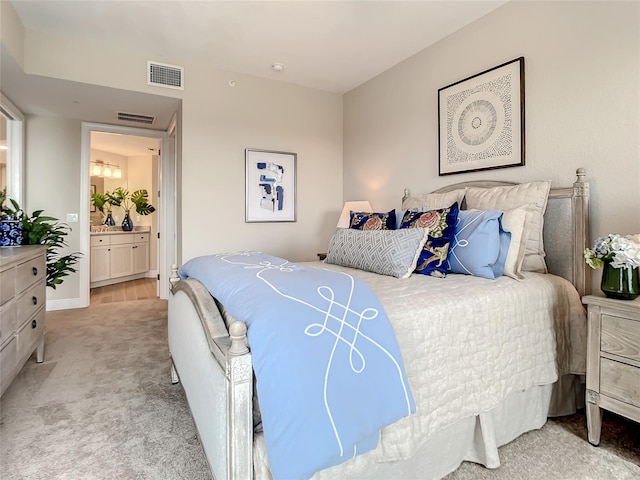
(125,145)
(329,45)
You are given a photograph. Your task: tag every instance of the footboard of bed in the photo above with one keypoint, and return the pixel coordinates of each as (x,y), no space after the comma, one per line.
(213,364)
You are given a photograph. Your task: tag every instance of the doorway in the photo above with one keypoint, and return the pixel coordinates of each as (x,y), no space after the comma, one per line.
(152,169)
(123,166)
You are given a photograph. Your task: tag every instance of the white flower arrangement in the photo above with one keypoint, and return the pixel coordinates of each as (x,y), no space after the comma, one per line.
(621,251)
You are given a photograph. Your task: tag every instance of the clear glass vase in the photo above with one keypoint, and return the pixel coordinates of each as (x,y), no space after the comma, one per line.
(621,283)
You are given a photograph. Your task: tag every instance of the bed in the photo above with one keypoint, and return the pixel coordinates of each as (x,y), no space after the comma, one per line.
(514,356)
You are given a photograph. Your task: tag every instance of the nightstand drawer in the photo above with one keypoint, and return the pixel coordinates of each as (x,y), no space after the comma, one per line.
(620,336)
(620,381)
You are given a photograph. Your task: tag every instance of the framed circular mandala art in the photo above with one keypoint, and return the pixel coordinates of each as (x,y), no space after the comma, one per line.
(481,120)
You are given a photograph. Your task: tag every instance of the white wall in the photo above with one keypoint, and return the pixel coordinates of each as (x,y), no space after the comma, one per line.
(582,82)
(217,123)
(53,183)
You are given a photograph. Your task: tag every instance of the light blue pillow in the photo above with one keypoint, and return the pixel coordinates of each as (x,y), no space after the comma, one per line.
(480,245)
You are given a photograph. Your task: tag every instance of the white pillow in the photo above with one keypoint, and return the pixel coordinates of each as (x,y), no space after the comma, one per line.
(433,201)
(514,221)
(533,196)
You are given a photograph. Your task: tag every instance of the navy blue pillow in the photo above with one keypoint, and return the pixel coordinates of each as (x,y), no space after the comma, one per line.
(372,220)
(440,224)
(480,245)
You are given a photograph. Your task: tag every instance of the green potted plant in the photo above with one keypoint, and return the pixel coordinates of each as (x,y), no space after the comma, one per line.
(619,258)
(39,229)
(103,203)
(121,197)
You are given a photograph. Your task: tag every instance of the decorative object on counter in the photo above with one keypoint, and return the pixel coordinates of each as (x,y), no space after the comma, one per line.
(39,229)
(121,197)
(619,258)
(10,226)
(109,221)
(127,223)
(103,203)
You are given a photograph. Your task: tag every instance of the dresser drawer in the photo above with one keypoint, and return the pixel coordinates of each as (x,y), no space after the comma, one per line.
(30,334)
(98,240)
(7,364)
(7,285)
(620,336)
(31,300)
(620,381)
(29,272)
(8,321)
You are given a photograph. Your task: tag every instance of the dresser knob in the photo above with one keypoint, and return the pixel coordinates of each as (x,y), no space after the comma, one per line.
(34,324)
(34,300)
(34,270)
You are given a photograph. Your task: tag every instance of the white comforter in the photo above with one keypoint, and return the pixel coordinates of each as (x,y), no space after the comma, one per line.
(468,342)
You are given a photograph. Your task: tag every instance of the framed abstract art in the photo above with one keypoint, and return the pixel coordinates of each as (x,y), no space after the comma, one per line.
(270,186)
(481,121)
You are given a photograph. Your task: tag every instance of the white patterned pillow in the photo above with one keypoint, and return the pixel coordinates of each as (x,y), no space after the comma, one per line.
(387,252)
(533,196)
(433,201)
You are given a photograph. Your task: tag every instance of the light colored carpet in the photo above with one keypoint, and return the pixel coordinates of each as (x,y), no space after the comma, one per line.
(102,406)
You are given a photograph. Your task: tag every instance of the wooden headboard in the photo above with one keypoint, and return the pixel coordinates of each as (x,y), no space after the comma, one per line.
(564,246)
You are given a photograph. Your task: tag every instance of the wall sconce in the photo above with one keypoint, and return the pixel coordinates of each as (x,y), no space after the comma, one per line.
(103,169)
(356,206)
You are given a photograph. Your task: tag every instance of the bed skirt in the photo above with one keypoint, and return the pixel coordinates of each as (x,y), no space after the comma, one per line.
(474,439)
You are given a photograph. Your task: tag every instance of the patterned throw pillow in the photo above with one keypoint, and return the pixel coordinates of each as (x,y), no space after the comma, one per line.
(480,244)
(440,225)
(387,252)
(373,220)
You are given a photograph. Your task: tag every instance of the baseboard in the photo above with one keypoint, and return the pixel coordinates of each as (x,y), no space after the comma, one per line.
(65,304)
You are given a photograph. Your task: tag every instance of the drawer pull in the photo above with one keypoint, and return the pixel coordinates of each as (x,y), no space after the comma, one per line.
(34,324)
(34,270)
(34,300)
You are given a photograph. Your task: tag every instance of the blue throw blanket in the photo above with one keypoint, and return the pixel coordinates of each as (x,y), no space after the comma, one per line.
(328,369)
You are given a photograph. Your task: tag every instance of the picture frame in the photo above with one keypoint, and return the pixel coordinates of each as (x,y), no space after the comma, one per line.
(481,121)
(92,207)
(270,187)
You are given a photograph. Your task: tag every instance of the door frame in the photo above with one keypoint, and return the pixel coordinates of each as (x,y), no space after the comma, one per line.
(167,251)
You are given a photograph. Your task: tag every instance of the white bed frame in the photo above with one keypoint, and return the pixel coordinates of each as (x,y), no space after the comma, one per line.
(214,364)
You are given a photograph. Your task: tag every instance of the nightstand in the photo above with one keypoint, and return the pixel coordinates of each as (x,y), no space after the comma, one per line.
(322,256)
(613,360)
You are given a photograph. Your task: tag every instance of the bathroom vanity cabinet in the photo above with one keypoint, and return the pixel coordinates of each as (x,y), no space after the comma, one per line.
(116,256)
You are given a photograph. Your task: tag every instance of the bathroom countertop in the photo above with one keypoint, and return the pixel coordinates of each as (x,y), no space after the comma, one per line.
(105,230)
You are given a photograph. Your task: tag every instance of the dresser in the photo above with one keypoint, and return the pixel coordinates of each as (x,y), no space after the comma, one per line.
(23,299)
(613,360)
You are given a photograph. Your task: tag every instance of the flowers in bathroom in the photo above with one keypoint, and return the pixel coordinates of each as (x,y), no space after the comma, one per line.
(620,251)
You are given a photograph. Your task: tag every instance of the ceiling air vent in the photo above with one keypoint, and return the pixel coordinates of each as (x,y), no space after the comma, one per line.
(162,75)
(136,118)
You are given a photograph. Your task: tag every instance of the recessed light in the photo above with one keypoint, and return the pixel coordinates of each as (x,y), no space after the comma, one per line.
(277,67)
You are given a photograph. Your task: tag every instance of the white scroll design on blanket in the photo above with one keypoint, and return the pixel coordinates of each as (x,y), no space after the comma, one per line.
(348,322)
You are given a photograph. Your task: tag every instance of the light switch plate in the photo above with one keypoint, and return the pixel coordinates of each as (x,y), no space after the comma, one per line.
(72,218)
